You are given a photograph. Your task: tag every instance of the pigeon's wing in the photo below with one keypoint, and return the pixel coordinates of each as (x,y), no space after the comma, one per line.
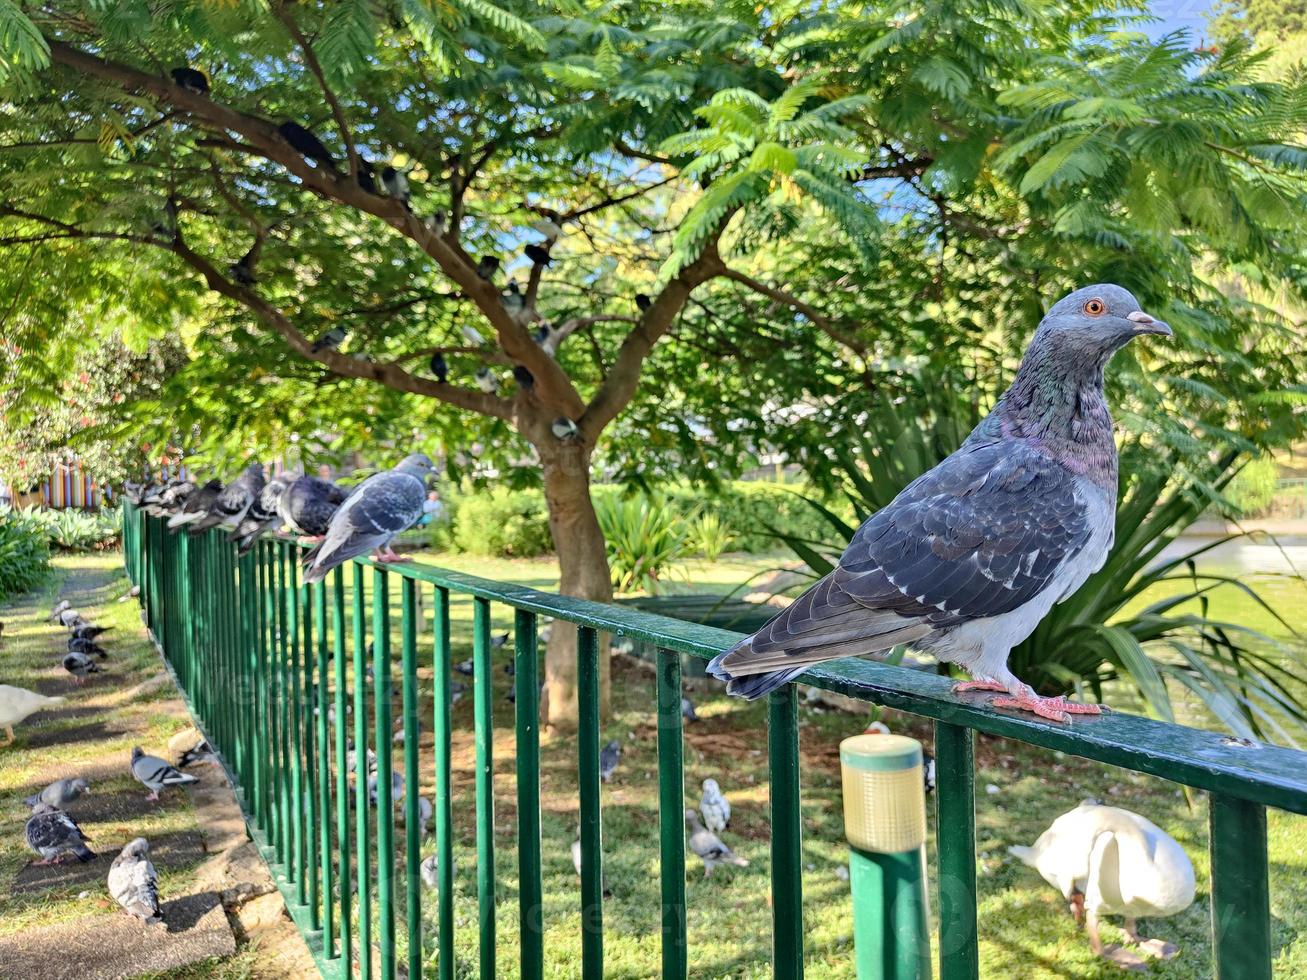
(155,772)
(980,535)
(312,503)
(134,885)
(383,505)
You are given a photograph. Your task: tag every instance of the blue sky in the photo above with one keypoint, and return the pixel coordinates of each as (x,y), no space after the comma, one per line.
(1175,14)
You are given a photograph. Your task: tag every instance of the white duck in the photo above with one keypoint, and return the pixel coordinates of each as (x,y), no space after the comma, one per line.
(1109,861)
(17,703)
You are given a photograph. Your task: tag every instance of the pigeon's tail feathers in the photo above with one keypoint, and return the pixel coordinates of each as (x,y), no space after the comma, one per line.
(1026,855)
(753,686)
(84,853)
(313,570)
(736,860)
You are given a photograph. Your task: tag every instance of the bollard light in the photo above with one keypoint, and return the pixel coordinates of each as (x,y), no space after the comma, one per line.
(885,824)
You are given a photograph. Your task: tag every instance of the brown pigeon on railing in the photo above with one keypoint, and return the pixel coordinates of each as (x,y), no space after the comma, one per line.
(966,561)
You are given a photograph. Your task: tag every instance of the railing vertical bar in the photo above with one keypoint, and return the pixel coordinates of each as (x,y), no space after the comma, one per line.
(363,874)
(264,686)
(385,796)
(444,806)
(1241,910)
(955,839)
(284,816)
(671,815)
(483,720)
(308,710)
(343,949)
(527,706)
(244,691)
(324,773)
(587,745)
(412,820)
(786,833)
(296,715)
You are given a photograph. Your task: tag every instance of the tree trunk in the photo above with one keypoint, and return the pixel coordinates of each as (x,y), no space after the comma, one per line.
(583,562)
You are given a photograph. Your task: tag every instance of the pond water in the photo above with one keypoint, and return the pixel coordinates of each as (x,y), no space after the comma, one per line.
(1284,555)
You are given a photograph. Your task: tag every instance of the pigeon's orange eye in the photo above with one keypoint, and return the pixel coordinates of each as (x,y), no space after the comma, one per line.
(1095,307)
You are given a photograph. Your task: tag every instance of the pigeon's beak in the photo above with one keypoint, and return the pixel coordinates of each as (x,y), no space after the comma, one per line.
(1146,324)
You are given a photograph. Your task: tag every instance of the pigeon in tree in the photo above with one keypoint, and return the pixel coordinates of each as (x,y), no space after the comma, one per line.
(89,632)
(80,665)
(435,223)
(262,516)
(969,557)
(191,80)
(231,505)
(197,506)
(715,807)
(513,300)
(155,774)
(60,793)
(565,430)
(642,302)
(380,507)
(395,182)
(242,270)
(487,381)
(330,340)
(134,884)
(488,266)
(18,704)
(306,144)
(472,335)
(309,504)
(609,756)
(52,833)
(439,367)
(367,176)
(708,846)
(548,226)
(524,378)
(538,254)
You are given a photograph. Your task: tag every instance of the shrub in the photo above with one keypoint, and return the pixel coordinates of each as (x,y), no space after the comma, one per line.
(711,536)
(760,515)
(24,553)
(511,523)
(75,530)
(1253,488)
(645,538)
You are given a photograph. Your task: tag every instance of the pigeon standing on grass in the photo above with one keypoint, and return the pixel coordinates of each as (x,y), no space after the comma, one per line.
(715,807)
(88,632)
(17,704)
(609,757)
(155,774)
(60,793)
(709,847)
(71,618)
(381,507)
(60,606)
(88,647)
(969,557)
(429,870)
(80,665)
(134,884)
(52,833)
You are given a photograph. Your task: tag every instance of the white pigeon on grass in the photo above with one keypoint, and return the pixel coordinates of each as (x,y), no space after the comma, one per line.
(18,704)
(134,884)
(708,847)
(715,807)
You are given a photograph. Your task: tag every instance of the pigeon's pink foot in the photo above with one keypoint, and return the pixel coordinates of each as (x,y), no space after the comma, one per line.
(313,538)
(1054,709)
(389,555)
(153,797)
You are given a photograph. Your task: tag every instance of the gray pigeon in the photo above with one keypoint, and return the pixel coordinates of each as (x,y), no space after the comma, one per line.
(262,517)
(350,760)
(134,884)
(196,507)
(709,847)
(396,788)
(80,665)
(609,756)
(60,793)
(309,504)
(715,807)
(382,506)
(52,833)
(88,647)
(155,774)
(59,607)
(231,505)
(687,710)
(88,632)
(429,869)
(331,340)
(200,753)
(71,618)
(969,557)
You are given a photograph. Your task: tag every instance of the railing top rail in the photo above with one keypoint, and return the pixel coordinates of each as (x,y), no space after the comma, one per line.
(1204,760)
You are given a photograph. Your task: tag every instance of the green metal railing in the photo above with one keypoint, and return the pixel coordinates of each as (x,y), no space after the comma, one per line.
(262,658)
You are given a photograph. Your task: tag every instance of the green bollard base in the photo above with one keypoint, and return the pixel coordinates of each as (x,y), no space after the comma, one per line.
(890,937)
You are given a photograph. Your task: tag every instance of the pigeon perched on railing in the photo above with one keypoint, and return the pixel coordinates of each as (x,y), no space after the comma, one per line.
(708,847)
(609,756)
(966,561)
(262,517)
(715,808)
(230,506)
(196,507)
(17,704)
(309,504)
(60,793)
(134,884)
(52,833)
(155,774)
(380,507)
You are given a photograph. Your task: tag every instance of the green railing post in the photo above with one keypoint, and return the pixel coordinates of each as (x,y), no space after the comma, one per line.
(324,772)
(412,828)
(483,693)
(363,875)
(296,716)
(786,834)
(527,707)
(385,797)
(344,948)
(1241,910)
(444,805)
(306,706)
(592,860)
(671,815)
(955,840)
(285,786)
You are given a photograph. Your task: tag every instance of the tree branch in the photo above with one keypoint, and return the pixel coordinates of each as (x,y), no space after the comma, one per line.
(315,67)
(818,319)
